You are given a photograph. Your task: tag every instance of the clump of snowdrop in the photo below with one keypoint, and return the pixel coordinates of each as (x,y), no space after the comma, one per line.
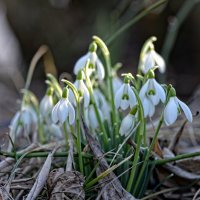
(63,111)
(115,111)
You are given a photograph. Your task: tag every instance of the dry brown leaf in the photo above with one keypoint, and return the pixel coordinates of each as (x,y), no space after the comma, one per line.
(66,185)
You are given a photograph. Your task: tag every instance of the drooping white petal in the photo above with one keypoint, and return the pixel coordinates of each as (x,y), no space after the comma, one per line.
(86,94)
(148,62)
(151,109)
(127,125)
(80,64)
(144,90)
(118,96)
(159,91)
(71,96)
(186,110)
(54,113)
(26,120)
(71,113)
(132,98)
(148,107)
(170,112)
(15,120)
(100,70)
(159,61)
(93,122)
(63,110)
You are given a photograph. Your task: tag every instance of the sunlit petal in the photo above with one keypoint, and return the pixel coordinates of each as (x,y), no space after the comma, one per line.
(80,64)
(170,112)
(186,110)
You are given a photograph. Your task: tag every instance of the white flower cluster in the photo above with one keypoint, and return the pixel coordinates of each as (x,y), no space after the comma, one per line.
(89,97)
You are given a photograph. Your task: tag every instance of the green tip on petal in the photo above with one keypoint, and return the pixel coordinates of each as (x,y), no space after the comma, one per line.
(172,92)
(65,93)
(49,91)
(151,74)
(126,79)
(93,47)
(80,75)
(134,110)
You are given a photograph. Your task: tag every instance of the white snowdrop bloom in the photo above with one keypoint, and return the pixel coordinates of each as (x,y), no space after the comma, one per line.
(24,120)
(91,118)
(46,106)
(53,131)
(152,59)
(95,63)
(153,91)
(125,97)
(117,83)
(127,125)
(102,103)
(83,92)
(173,108)
(63,110)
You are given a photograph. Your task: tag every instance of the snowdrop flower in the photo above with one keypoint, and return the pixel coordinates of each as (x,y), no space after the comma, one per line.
(125,97)
(154,91)
(152,59)
(46,104)
(95,63)
(82,90)
(53,131)
(172,110)
(24,120)
(63,110)
(91,118)
(102,104)
(128,123)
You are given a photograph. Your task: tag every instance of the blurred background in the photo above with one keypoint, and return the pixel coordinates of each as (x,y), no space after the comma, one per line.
(67,26)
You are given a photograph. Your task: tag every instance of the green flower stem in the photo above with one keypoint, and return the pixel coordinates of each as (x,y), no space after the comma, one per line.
(41,132)
(148,155)
(41,51)
(134,20)
(92,99)
(140,135)
(66,135)
(178,157)
(109,76)
(105,137)
(78,125)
